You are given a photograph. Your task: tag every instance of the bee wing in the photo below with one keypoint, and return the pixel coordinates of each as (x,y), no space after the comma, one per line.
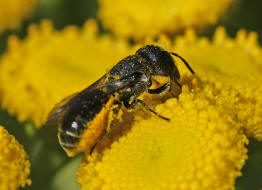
(59,110)
(108,86)
(115,84)
(100,82)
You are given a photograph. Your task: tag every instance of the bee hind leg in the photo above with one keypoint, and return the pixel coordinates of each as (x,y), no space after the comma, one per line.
(115,111)
(92,149)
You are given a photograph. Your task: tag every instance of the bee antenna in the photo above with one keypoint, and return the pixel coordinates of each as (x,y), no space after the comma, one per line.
(184,61)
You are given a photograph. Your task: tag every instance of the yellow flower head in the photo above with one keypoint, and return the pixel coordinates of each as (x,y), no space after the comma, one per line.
(140,19)
(203,145)
(198,149)
(49,65)
(229,70)
(14,164)
(12,12)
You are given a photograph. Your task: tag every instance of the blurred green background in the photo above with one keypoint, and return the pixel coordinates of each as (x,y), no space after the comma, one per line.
(51,168)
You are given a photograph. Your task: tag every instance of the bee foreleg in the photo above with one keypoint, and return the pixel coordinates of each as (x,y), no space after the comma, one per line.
(136,101)
(165,87)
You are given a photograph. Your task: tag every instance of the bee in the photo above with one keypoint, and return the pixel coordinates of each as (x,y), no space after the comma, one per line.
(85,115)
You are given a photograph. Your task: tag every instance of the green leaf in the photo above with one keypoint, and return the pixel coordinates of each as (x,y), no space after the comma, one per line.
(65,177)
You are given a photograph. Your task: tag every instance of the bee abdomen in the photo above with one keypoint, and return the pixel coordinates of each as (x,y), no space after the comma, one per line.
(68,139)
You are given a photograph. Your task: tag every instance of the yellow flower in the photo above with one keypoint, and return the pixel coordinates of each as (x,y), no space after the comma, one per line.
(203,145)
(199,148)
(49,65)
(140,19)
(12,12)
(230,72)
(14,164)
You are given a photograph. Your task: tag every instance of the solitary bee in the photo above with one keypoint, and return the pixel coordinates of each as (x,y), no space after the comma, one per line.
(86,115)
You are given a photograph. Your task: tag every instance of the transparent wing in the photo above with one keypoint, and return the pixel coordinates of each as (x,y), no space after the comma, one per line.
(59,110)
(105,84)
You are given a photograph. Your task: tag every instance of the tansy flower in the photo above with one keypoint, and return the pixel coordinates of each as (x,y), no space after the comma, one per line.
(198,149)
(231,68)
(48,65)
(12,12)
(140,19)
(203,145)
(14,164)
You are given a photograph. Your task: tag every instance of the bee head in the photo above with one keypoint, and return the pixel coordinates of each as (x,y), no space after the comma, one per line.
(161,61)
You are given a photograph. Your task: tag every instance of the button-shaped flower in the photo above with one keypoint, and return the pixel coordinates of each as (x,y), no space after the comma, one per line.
(14,163)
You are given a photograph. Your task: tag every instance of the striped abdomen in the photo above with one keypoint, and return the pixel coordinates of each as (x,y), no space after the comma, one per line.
(82,109)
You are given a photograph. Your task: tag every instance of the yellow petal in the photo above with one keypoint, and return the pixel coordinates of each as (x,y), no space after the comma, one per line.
(14,163)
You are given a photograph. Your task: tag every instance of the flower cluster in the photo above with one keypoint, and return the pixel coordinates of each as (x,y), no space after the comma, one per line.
(14,163)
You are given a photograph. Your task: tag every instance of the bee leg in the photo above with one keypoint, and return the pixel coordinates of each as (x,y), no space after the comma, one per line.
(178,84)
(100,138)
(92,149)
(115,112)
(166,86)
(136,101)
